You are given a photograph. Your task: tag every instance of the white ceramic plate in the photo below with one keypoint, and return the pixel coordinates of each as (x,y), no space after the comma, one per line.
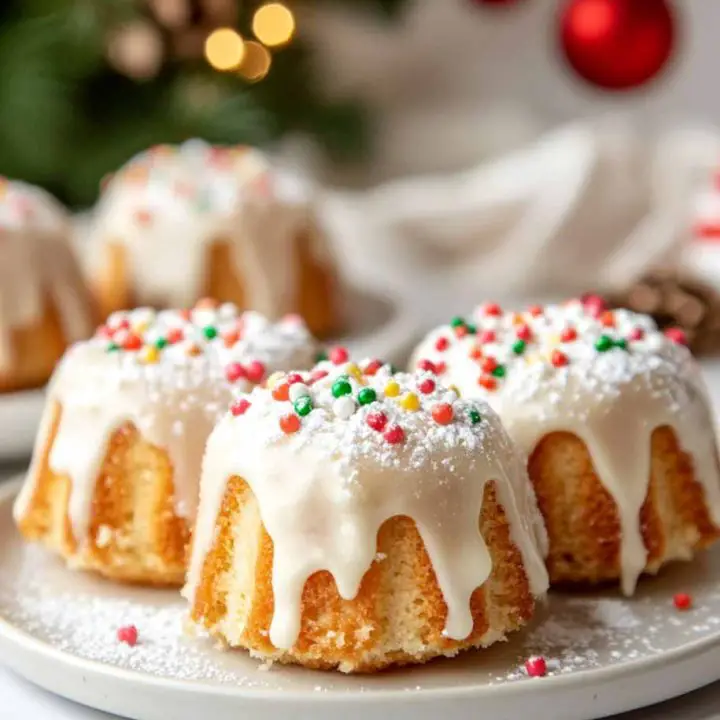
(19,418)
(606,654)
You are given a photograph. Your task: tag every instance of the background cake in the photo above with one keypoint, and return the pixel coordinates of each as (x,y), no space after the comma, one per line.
(179,223)
(113,482)
(44,303)
(614,418)
(353,519)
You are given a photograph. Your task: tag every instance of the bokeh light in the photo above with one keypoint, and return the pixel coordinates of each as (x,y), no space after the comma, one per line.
(256,61)
(273,24)
(224,49)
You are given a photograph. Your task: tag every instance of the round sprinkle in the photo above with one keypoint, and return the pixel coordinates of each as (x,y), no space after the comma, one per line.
(499,371)
(523,333)
(160,343)
(317,375)
(594,304)
(235,371)
(394,435)
(636,333)
(150,355)
(682,601)
(240,407)
(344,407)
(377,421)
(289,424)
(487,336)
(128,635)
(210,332)
(298,390)
(341,387)
(175,336)
(321,356)
(338,355)
(442,413)
(132,342)
(230,338)
(488,382)
(536,666)
(493,309)
(255,371)
(568,335)
(426,365)
(518,347)
(392,389)
(303,405)
(281,392)
(457,321)
(372,367)
(488,364)
(366,396)
(558,358)
(461,331)
(676,335)
(473,416)
(535,310)
(426,386)
(471,329)
(294,378)
(607,318)
(621,343)
(475,352)
(442,344)
(112,347)
(604,343)
(410,402)
(275,378)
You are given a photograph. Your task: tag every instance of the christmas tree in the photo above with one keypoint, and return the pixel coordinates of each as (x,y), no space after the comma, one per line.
(87,83)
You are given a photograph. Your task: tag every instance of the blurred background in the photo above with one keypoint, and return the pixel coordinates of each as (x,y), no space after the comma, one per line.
(460,148)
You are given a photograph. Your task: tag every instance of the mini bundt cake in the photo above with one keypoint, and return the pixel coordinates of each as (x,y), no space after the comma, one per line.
(614,418)
(113,484)
(179,223)
(352,519)
(44,303)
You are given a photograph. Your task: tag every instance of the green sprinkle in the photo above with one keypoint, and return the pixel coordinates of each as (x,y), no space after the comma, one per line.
(340,388)
(393,369)
(303,405)
(160,343)
(210,332)
(519,347)
(457,321)
(366,396)
(474,416)
(621,343)
(499,371)
(321,356)
(603,343)
(112,347)
(472,329)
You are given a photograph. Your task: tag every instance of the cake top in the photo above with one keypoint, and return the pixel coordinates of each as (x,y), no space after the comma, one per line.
(196,180)
(542,352)
(244,346)
(26,206)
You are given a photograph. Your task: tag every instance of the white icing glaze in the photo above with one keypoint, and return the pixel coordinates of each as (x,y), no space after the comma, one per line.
(169,204)
(612,400)
(37,266)
(325,490)
(173,399)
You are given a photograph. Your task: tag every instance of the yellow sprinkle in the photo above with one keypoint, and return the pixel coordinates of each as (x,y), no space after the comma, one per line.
(392,389)
(410,402)
(353,370)
(141,326)
(273,380)
(455,389)
(151,355)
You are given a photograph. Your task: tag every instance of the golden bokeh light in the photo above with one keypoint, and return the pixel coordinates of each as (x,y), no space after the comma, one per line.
(256,61)
(273,24)
(224,49)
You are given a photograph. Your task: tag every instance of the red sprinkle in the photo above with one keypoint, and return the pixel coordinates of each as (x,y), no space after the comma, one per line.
(461,331)
(128,635)
(493,309)
(427,365)
(133,342)
(523,333)
(594,304)
(535,310)
(293,378)
(377,420)
(568,335)
(442,344)
(175,336)
(255,371)
(105,332)
(488,364)
(676,335)
(608,318)
(231,337)
(636,333)
(394,435)
(426,386)
(558,358)
(239,407)
(290,423)
(488,382)
(475,352)
(338,355)
(536,666)
(281,392)
(440,368)
(682,601)
(316,375)
(487,336)
(372,367)
(235,371)
(442,413)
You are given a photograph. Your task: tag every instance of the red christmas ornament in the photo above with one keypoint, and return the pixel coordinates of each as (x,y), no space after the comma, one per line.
(617,44)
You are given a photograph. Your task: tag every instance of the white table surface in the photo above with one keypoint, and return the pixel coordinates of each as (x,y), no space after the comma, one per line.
(20,700)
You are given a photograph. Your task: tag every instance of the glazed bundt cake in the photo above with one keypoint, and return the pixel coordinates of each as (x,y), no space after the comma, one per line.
(353,519)
(44,303)
(114,478)
(179,223)
(614,418)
